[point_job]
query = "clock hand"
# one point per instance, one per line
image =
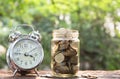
(30, 56)
(28, 53)
(33, 49)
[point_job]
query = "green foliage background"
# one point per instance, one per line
(98, 49)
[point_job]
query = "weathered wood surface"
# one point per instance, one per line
(81, 75)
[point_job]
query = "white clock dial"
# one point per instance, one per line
(27, 53)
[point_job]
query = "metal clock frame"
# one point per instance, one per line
(10, 60)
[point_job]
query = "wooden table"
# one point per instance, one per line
(96, 74)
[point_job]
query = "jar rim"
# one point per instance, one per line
(65, 33)
(63, 29)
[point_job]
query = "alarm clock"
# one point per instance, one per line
(25, 51)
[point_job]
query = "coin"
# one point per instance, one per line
(56, 42)
(75, 69)
(74, 44)
(64, 44)
(70, 52)
(61, 69)
(74, 60)
(60, 64)
(59, 58)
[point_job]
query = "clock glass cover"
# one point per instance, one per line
(27, 53)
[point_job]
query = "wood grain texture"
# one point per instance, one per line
(81, 75)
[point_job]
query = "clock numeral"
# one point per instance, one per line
(20, 46)
(30, 62)
(30, 46)
(33, 59)
(18, 50)
(17, 53)
(17, 59)
(36, 54)
(25, 45)
(26, 63)
(21, 61)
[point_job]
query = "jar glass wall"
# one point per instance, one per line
(65, 53)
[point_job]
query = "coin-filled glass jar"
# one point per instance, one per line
(65, 52)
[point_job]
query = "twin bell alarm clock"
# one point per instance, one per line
(25, 51)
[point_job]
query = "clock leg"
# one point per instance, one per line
(36, 72)
(14, 73)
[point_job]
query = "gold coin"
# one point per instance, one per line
(75, 69)
(63, 44)
(59, 58)
(74, 60)
(61, 69)
(60, 64)
(70, 52)
(74, 45)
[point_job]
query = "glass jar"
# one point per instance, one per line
(65, 52)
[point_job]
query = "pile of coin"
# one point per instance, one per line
(65, 59)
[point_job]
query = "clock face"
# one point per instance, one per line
(26, 53)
